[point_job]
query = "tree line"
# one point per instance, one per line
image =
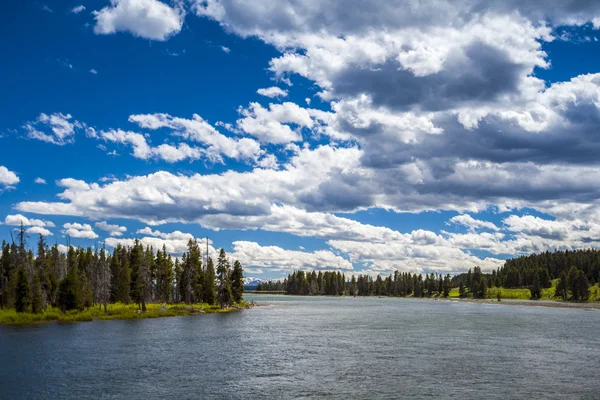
(573, 271)
(84, 278)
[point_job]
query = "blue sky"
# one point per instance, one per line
(382, 140)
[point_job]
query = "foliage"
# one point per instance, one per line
(82, 280)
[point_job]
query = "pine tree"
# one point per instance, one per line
(224, 285)
(36, 295)
(237, 282)
(22, 293)
(461, 289)
(583, 286)
(210, 292)
(536, 289)
(562, 286)
(446, 286)
(69, 295)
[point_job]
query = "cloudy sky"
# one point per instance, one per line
(426, 136)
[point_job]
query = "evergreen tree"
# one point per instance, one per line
(69, 295)
(210, 292)
(461, 289)
(536, 288)
(237, 282)
(22, 293)
(224, 286)
(446, 286)
(36, 298)
(562, 290)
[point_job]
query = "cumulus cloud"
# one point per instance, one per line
(272, 92)
(113, 230)
(149, 19)
(279, 123)
(472, 223)
(38, 230)
(56, 128)
(7, 177)
(199, 130)
(18, 219)
(80, 231)
(40, 181)
(278, 259)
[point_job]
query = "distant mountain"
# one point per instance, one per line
(253, 282)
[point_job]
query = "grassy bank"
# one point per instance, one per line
(115, 311)
(525, 294)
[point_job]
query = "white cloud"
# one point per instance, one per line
(80, 231)
(225, 49)
(18, 219)
(142, 150)
(272, 125)
(93, 71)
(113, 230)
(77, 9)
(7, 177)
(272, 92)
(150, 19)
(198, 130)
(62, 128)
(38, 230)
(275, 258)
(40, 181)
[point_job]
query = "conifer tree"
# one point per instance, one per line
(562, 286)
(446, 286)
(536, 288)
(22, 292)
(69, 291)
(36, 295)
(224, 284)
(210, 292)
(237, 282)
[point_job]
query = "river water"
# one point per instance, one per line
(320, 347)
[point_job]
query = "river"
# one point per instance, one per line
(319, 347)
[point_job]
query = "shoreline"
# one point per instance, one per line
(534, 303)
(116, 312)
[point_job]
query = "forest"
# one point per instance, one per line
(570, 273)
(84, 278)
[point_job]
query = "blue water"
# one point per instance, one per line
(298, 347)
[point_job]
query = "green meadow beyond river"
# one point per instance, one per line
(313, 347)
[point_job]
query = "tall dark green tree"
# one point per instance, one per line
(224, 285)
(210, 291)
(536, 288)
(237, 282)
(36, 295)
(22, 292)
(69, 292)
(562, 288)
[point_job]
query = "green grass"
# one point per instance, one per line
(114, 311)
(525, 294)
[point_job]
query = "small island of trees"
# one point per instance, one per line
(130, 282)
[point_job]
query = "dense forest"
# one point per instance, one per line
(574, 272)
(83, 278)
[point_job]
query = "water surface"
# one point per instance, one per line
(323, 347)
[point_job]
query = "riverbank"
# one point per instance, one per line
(532, 303)
(115, 311)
